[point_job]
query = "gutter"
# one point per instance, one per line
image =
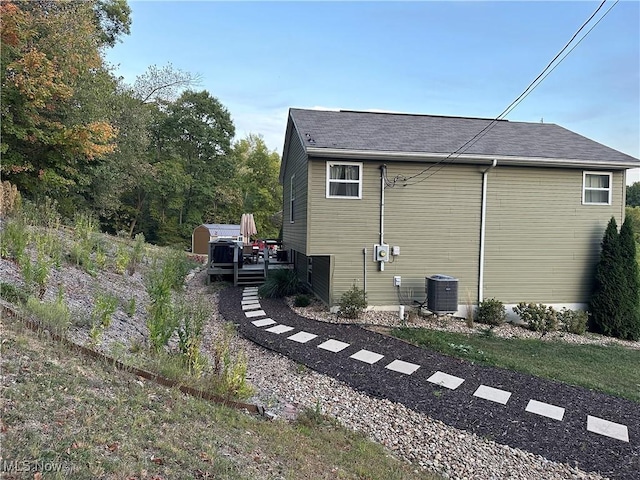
(339, 153)
(483, 228)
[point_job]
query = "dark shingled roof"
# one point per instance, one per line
(405, 133)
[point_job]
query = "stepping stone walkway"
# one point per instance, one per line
(499, 396)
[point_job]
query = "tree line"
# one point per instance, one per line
(158, 156)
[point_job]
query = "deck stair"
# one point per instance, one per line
(250, 277)
(244, 270)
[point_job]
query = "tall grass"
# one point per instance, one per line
(280, 283)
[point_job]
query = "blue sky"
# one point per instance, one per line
(442, 58)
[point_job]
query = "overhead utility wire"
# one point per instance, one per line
(534, 84)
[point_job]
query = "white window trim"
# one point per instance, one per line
(292, 198)
(359, 181)
(608, 190)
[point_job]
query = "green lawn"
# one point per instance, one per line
(76, 417)
(611, 369)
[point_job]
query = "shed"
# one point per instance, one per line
(207, 232)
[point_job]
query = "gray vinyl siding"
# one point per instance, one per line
(542, 244)
(294, 235)
(435, 223)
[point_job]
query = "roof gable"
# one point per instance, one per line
(222, 230)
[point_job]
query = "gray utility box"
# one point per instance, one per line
(442, 294)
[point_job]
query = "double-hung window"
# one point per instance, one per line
(596, 188)
(344, 180)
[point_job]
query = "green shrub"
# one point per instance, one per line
(491, 312)
(80, 256)
(176, 266)
(229, 369)
(630, 328)
(52, 315)
(130, 307)
(44, 213)
(166, 274)
(191, 321)
(573, 321)
(104, 307)
(538, 317)
(302, 300)
(14, 240)
(353, 302)
(122, 258)
(615, 304)
(280, 283)
(36, 274)
(137, 254)
(13, 294)
(161, 319)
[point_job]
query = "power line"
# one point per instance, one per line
(532, 86)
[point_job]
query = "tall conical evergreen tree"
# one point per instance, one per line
(606, 311)
(631, 303)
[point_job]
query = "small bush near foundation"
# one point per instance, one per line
(491, 312)
(280, 283)
(573, 321)
(538, 317)
(302, 301)
(353, 302)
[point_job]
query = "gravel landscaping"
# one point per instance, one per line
(466, 446)
(418, 410)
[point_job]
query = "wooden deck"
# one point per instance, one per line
(253, 271)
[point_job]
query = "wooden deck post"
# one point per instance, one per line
(265, 256)
(235, 264)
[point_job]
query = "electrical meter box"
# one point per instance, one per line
(381, 253)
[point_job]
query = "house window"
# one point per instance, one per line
(596, 188)
(292, 199)
(344, 180)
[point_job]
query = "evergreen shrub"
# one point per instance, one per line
(538, 317)
(491, 312)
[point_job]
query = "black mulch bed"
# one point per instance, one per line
(566, 441)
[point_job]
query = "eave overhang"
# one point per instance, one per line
(386, 156)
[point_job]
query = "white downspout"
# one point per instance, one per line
(364, 267)
(483, 227)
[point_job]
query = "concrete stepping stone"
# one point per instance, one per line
(251, 306)
(263, 322)
(334, 346)
(492, 394)
(545, 410)
(249, 302)
(403, 367)
(250, 297)
(607, 428)
(302, 337)
(366, 356)
(255, 313)
(250, 289)
(445, 380)
(278, 329)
